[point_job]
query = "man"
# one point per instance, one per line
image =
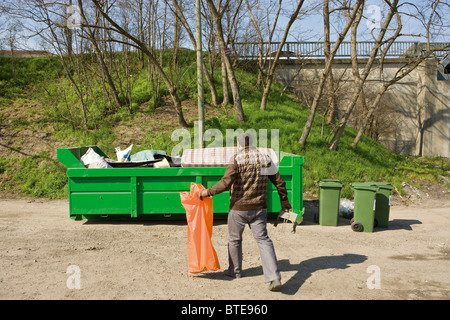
(246, 177)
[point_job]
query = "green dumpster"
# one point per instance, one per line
(329, 196)
(154, 193)
(383, 204)
(363, 216)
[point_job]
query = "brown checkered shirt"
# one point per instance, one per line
(246, 177)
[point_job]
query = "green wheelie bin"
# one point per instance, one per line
(383, 204)
(363, 216)
(329, 196)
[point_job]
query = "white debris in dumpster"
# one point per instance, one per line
(162, 164)
(92, 159)
(123, 155)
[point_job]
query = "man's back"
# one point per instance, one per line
(246, 178)
(249, 190)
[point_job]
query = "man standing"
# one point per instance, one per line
(246, 177)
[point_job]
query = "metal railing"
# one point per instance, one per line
(295, 50)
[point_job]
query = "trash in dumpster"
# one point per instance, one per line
(123, 155)
(199, 215)
(145, 158)
(162, 164)
(92, 159)
(148, 155)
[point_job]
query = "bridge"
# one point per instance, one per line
(299, 50)
(414, 115)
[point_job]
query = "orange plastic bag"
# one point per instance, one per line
(199, 215)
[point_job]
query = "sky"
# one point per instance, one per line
(373, 17)
(310, 27)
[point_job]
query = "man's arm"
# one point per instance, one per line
(224, 184)
(280, 184)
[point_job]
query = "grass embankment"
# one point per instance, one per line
(41, 99)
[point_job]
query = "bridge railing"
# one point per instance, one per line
(293, 50)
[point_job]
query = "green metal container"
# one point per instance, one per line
(383, 204)
(363, 216)
(329, 196)
(154, 193)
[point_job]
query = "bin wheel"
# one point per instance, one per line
(375, 223)
(352, 220)
(357, 227)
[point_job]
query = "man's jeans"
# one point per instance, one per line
(257, 220)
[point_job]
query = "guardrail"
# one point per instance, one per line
(399, 49)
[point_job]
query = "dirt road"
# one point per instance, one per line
(46, 255)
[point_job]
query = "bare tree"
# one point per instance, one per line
(343, 122)
(13, 30)
(209, 79)
(331, 110)
(142, 46)
(99, 55)
(324, 75)
(260, 60)
(410, 65)
(217, 17)
(273, 64)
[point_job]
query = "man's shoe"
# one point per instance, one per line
(231, 274)
(275, 285)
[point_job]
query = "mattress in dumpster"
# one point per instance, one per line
(218, 157)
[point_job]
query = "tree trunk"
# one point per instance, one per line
(331, 110)
(230, 72)
(369, 116)
(273, 65)
(208, 77)
(225, 88)
(171, 88)
(260, 61)
(342, 124)
(99, 57)
(309, 121)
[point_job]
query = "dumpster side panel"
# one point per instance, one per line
(100, 195)
(101, 203)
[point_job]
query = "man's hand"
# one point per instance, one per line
(203, 193)
(286, 206)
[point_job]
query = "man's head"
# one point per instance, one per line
(244, 140)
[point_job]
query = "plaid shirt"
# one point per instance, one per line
(246, 178)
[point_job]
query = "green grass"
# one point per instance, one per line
(37, 176)
(41, 80)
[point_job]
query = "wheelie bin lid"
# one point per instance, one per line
(384, 185)
(370, 186)
(332, 183)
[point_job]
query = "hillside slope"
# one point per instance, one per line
(32, 128)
